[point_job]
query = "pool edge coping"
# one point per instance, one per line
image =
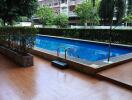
(95, 67)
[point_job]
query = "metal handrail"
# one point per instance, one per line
(58, 52)
(58, 49)
(65, 51)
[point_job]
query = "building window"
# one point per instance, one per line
(64, 9)
(55, 4)
(63, 1)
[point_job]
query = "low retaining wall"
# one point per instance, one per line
(83, 66)
(72, 64)
(24, 61)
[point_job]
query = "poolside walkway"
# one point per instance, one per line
(44, 82)
(121, 74)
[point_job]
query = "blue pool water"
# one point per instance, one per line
(79, 49)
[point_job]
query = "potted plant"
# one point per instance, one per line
(16, 42)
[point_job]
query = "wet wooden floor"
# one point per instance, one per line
(121, 73)
(44, 82)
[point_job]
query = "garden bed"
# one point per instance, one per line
(22, 60)
(15, 43)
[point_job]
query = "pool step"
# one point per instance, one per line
(59, 64)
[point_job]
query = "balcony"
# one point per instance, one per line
(63, 5)
(72, 3)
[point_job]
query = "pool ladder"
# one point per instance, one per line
(65, 49)
(59, 63)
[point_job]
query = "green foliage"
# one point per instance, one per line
(28, 7)
(128, 18)
(129, 6)
(107, 9)
(118, 36)
(61, 20)
(120, 6)
(46, 14)
(94, 2)
(1, 22)
(22, 19)
(88, 13)
(12, 9)
(19, 39)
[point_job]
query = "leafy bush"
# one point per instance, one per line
(46, 15)
(118, 36)
(11, 10)
(128, 18)
(87, 13)
(19, 39)
(61, 20)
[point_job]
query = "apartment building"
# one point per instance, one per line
(63, 6)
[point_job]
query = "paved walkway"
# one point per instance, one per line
(44, 82)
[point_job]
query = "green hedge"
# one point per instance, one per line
(118, 35)
(19, 39)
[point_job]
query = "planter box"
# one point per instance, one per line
(24, 61)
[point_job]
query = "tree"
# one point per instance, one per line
(61, 20)
(129, 6)
(1, 22)
(87, 13)
(93, 2)
(28, 7)
(46, 14)
(106, 10)
(120, 7)
(111, 8)
(128, 18)
(12, 9)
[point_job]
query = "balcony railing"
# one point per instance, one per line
(72, 14)
(63, 5)
(72, 3)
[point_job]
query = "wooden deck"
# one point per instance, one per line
(121, 74)
(44, 82)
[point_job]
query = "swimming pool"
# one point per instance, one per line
(89, 51)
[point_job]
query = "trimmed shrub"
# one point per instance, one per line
(122, 36)
(19, 39)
